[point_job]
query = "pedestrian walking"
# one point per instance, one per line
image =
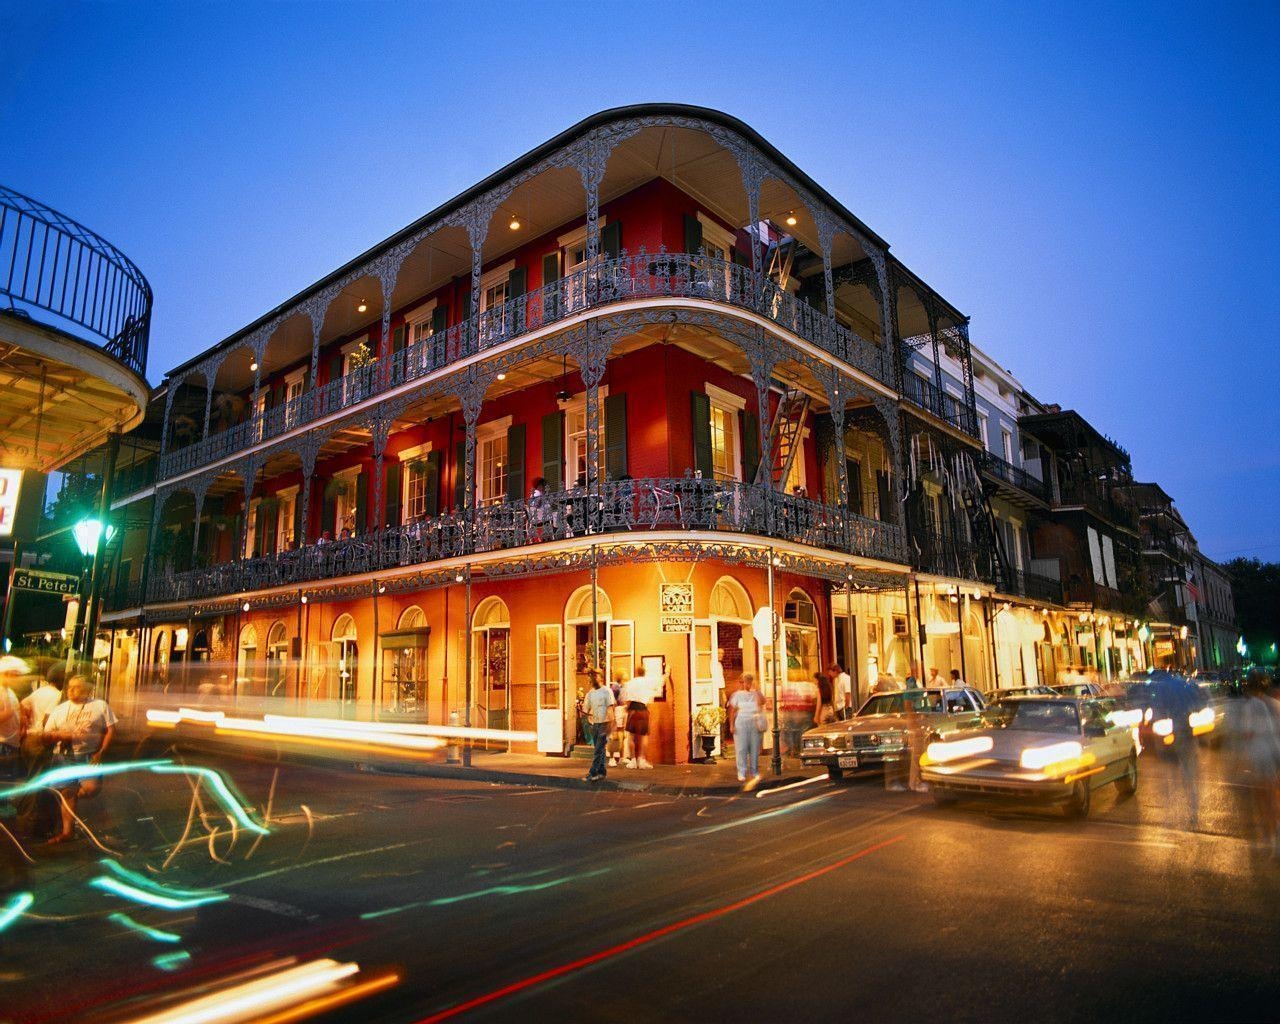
(638, 694)
(826, 710)
(82, 730)
(619, 740)
(841, 691)
(748, 722)
(10, 734)
(37, 811)
(1258, 743)
(798, 710)
(599, 703)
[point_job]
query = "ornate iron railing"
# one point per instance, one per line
(1031, 585)
(49, 261)
(640, 275)
(1099, 499)
(688, 503)
(947, 407)
(944, 554)
(1015, 476)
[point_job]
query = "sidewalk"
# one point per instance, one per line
(513, 769)
(719, 779)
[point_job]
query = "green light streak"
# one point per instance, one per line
(13, 910)
(171, 961)
(56, 777)
(218, 785)
(496, 890)
(151, 885)
(151, 933)
(152, 899)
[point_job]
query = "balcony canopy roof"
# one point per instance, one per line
(1066, 431)
(696, 149)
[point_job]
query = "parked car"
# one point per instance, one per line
(877, 733)
(1047, 750)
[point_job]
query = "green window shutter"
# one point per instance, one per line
(392, 503)
(397, 338)
(515, 462)
(611, 239)
(551, 267)
(553, 450)
(464, 306)
(750, 425)
(362, 501)
(306, 379)
(459, 475)
(692, 234)
(886, 501)
(517, 282)
(615, 437)
(702, 433)
(432, 485)
(742, 259)
(277, 398)
(335, 367)
(439, 320)
(269, 524)
(550, 276)
(329, 514)
(855, 485)
(259, 533)
(298, 539)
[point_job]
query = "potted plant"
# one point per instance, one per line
(707, 720)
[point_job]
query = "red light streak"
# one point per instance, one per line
(642, 940)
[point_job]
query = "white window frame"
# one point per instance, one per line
(285, 513)
(421, 317)
(721, 239)
(351, 390)
(293, 381)
(984, 425)
(575, 406)
(487, 433)
(797, 477)
(1006, 445)
(340, 510)
(251, 528)
(731, 404)
(409, 457)
(573, 293)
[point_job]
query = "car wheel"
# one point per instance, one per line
(942, 798)
(1078, 805)
(1128, 782)
(835, 774)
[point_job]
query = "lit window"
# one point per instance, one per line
(724, 443)
(491, 469)
(575, 440)
(415, 496)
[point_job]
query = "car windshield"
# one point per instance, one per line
(1033, 716)
(896, 703)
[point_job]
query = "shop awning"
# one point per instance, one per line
(404, 639)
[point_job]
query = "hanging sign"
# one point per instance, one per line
(45, 582)
(677, 623)
(675, 605)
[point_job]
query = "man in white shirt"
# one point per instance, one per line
(83, 730)
(10, 733)
(841, 691)
(598, 704)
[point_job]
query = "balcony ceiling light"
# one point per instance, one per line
(253, 366)
(362, 306)
(515, 223)
(791, 219)
(502, 376)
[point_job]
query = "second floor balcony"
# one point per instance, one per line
(687, 504)
(1031, 585)
(953, 411)
(1012, 476)
(626, 278)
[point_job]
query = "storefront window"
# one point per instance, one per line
(800, 633)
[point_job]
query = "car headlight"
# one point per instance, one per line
(1201, 721)
(1163, 727)
(1037, 758)
(814, 743)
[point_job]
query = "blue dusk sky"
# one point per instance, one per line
(1094, 185)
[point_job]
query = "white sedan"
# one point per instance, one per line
(1048, 750)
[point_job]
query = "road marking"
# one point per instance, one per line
(652, 803)
(643, 940)
(602, 810)
(791, 785)
(322, 860)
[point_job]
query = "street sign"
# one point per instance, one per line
(45, 582)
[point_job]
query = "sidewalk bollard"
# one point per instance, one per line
(452, 756)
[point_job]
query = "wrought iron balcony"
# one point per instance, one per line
(1014, 476)
(948, 408)
(944, 554)
(1032, 586)
(621, 506)
(50, 262)
(1098, 499)
(641, 275)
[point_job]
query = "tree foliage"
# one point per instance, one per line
(1256, 585)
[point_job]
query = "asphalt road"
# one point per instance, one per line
(824, 902)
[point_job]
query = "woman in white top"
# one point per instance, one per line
(746, 715)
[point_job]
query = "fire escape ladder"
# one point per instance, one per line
(785, 433)
(779, 259)
(982, 519)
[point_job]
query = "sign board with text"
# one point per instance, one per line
(45, 582)
(677, 623)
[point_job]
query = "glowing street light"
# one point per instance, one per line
(89, 533)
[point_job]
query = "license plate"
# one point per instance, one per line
(847, 761)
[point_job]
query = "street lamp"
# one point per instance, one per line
(90, 535)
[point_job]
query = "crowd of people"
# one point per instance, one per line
(49, 719)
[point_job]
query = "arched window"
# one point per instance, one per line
(729, 600)
(412, 618)
(491, 659)
(344, 628)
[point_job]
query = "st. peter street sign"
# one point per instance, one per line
(45, 582)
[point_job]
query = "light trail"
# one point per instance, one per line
(792, 785)
(13, 910)
(155, 934)
(649, 937)
(765, 816)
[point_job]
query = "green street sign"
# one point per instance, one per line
(46, 582)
